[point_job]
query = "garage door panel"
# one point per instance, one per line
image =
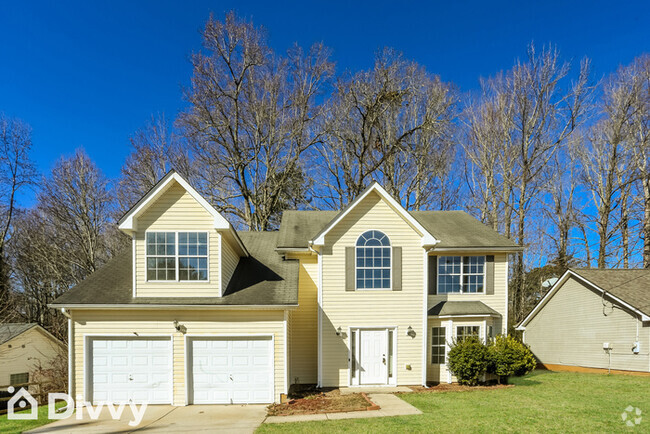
(131, 370)
(240, 370)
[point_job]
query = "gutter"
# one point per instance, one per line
(133, 306)
(477, 249)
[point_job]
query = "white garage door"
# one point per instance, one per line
(131, 370)
(231, 370)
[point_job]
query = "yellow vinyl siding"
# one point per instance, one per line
(304, 324)
(497, 301)
(160, 323)
(372, 308)
(26, 352)
(229, 261)
(571, 329)
(177, 210)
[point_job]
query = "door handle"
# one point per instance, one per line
(230, 375)
(130, 377)
(383, 360)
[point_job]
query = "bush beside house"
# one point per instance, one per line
(470, 359)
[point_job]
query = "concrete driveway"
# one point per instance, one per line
(167, 419)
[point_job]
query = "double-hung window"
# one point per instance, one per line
(461, 274)
(177, 256)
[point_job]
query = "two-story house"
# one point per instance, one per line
(197, 312)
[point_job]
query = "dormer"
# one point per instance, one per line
(182, 246)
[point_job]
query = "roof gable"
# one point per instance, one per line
(10, 331)
(427, 238)
(128, 223)
(615, 285)
(129, 220)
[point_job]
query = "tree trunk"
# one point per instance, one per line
(646, 222)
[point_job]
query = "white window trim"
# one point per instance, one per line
(390, 266)
(438, 275)
(466, 325)
(176, 256)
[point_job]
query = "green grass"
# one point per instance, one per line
(540, 402)
(17, 426)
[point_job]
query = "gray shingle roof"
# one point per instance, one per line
(263, 279)
(630, 285)
(9, 331)
(455, 229)
(462, 308)
(299, 227)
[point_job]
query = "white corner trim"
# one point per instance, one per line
(286, 352)
(134, 272)
(504, 326)
(220, 262)
(70, 361)
(427, 238)
(128, 222)
(320, 319)
(425, 317)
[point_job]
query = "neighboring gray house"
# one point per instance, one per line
(593, 319)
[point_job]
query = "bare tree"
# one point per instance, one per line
(608, 170)
(489, 155)
(16, 173)
(156, 149)
(253, 114)
(392, 124)
(77, 201)
(535, 114)
(564, 208)
(636, 79)
(42, 271)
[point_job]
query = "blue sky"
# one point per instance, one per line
(88, 74)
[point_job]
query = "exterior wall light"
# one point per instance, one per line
(180, 327)
(339, 331)
(410, 332)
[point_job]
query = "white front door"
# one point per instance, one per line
(231, 370)
(127, 370)
(373, 356)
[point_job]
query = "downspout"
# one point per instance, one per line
(425, 317)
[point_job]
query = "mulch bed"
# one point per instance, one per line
(455, 387)
(317, 402)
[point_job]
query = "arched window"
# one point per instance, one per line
(373, 261)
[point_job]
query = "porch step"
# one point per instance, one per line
(374, 389)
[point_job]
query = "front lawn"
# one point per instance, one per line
(540, 402)
(17, 426)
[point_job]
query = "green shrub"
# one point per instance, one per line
(507, 356)
(468, 360)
